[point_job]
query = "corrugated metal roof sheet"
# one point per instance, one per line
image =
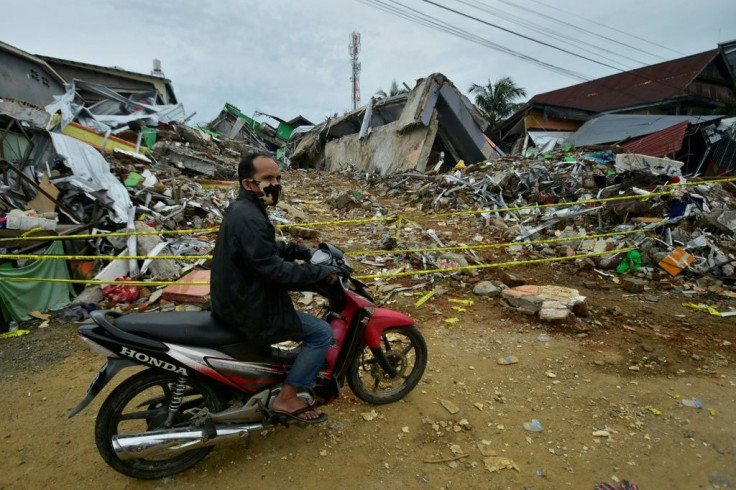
(613, 128)
(644, 85)
(660, 143)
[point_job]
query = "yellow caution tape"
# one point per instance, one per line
(424, 299)
(504, 245)
(113, 234)
(95, 281)
(102, 257)
(340, 222)
(701, 306)
(488, 266)
(385, 218)
(32, 230)
(452, 321)
(14, 333)
(468, 302)
(357, 252)
(713, 181)
(459, 308)
(371, 276)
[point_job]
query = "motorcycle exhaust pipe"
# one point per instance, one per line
(170, 442)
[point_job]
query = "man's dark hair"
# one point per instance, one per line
(246, 169)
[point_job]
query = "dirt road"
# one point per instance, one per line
(608, 393)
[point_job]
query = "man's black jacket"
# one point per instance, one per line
(252, 272)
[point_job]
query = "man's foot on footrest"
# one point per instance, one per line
(295, 415)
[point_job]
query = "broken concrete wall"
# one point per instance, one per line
(420, 104)
(25, 77)
(382, 152)
(447, 120)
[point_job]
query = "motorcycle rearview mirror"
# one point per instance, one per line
(321, 257)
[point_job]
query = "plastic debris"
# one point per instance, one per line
(533, 426)
(692, 403)
(497, 463)
(709, 309)
(507, 360)
(118, 293)
(632, 262)
(676, 261)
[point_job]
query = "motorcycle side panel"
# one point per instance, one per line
(249, 376)
(382, 319)
(339, 329)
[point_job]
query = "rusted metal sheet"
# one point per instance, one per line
(641, 86)
(661, 143)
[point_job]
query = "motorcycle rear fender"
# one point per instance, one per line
(382, 319)
(108, 371)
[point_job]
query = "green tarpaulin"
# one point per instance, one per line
(20, 298)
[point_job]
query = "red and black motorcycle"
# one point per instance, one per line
(204, 385)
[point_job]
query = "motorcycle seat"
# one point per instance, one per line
(202, 330)
(180, 327)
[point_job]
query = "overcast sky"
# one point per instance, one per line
(291, 57)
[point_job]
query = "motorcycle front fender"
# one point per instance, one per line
(112, 366)
(382, 319)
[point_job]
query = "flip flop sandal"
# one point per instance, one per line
(294, 416)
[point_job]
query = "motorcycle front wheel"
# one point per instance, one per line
(141, 404)
(406, 352)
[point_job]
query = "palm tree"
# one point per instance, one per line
(497, 99)
(394, 90)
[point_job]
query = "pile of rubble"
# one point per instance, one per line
(160, 174)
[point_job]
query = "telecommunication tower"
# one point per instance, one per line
(354, 49)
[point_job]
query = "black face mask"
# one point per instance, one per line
(271, 193)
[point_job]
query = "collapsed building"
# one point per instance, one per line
(433, 125)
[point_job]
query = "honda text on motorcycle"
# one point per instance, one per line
(202, 384)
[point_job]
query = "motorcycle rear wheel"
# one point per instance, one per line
(406, 351)
(140, 404)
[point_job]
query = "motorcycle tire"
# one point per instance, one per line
(405, 350)
(140, 404)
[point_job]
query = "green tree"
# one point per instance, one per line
(394, 90)
(497, 99)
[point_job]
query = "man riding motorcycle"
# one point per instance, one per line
(252, 274)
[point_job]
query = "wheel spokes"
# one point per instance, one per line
(140, 415)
